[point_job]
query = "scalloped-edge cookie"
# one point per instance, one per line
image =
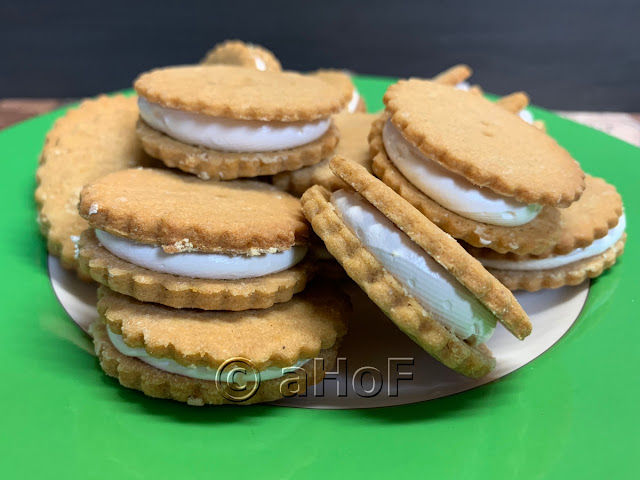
(354, 129)
(536, 236)
(590, 218)
(469, 358)
(163, 352)
(342, 80)
(571, 274)
(241, 93)
(183, 292)
(89, 141)
(180, 212)
(237, 52)
(484, 143)
(211, 164)
(278, 336)
(174, 239)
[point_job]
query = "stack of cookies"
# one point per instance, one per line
(189, 217)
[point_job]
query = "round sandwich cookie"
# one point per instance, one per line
(423, 280)
(341, 80)
(354, 129)
(226, 122)
(176, 240)
(94, 139)
(201, 357)
(475, 169)
(592, 238)
(239, 53)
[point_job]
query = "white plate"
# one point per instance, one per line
(373, 339)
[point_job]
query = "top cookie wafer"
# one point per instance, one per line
(242, 93)
(484, 143)
(438, 244)
(183, 213)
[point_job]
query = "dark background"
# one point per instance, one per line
(566, 54)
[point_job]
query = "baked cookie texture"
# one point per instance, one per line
(219, 165)
(241, 93)
(590, 218)
(585, 221)
(183, 213)
(309, 323)
(237, 52)
(571, 274)
(438, 244)
(474, 138)
(534, 237)
(309, 326)
(138, 375)
(94, 139)
(341, 80)
(354, 129)
(145, 285)
(388, 293)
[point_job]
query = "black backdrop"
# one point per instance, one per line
(567, 54)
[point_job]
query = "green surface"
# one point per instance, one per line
(573, 412)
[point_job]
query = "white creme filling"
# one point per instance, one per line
(228, 134)
(452, 191)
(353, 103)
(436, 290)
(213, 266)
(596, 248)
(524, 114)
(193, 371)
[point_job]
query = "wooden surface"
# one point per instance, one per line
(622, 125)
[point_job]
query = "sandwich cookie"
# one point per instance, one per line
(423, 280)
(241, 54)
(473, 168)
(592, 238)
(225, 122)
(92, 140)
(180, 241)
(202, 357)
(341, 80)
(354, 129)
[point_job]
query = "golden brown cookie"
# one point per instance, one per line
(571, 274)
(514, 102)
(453, 75)
(124, 277)
(183, 213)
(388, 293)
(342, 81)
(218, 165)
(354, 129)
(487, 145)
(236, 52)
(309, 326)
(590, 218)
(536, 236)
(92, 140)
(241, 93)
(593, 222)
